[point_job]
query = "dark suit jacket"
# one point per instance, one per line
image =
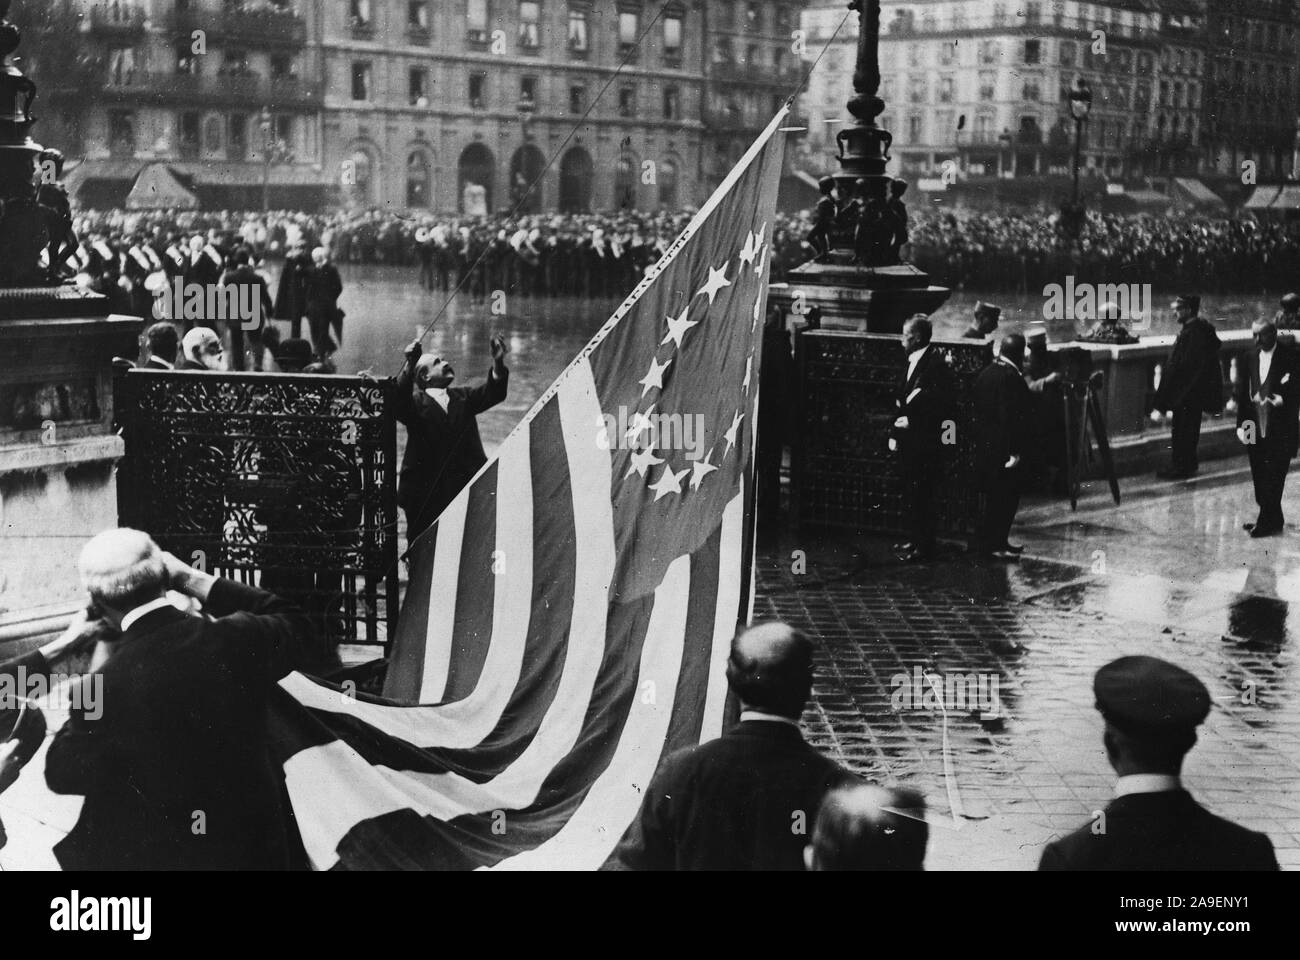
(177, 772)
(732, 803)
(1192, 377)
(443, 448)
(153, 364)
(1160, 831)
(1274, 426)
(927, 398)
(1001, 416)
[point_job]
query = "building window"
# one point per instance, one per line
(282, 67)
(988, 86)
(189, 128)
(417, 180)
(360, 81)
(1033, 12)
(627, 101)
(914, 128)
(212, 134)
(673, 37)
(624, 184)
(722, 52)
(417, 15)
(282, 126)
(1033, 51)
(578, 99)
(947, 53)
(419, 87)
(782, 18)
(629, 29)
(121, 66)
(530, 15)
(578, 29)
(914, 56)
(477, 90)
(1067, 54)
(672, 103)
(945, 89)
(984, 128)
(527, 93)
(667, 174)
(476, 20)
(359, 14)
(237, 147)
(751, 55)
(186, 61)
(1031, 91)
(989, 51)
(916, 91)
(753, 17)
(121, 133)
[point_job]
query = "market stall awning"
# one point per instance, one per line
(157, 188)
(1193, 192)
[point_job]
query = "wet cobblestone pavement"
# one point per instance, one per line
(1170, 574)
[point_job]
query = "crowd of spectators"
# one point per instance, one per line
(605, 254)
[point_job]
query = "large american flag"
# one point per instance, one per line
(568, 617)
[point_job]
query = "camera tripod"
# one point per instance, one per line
(1085, 424)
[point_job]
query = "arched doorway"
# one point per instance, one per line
(576, 172)
(667, 177)
(417, 180)
(477, 170)
(359, 178)
(625, 184)
(526, 166)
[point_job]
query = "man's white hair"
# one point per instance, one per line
(195, 338)
(122, 568)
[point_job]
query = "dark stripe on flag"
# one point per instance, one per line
(406, 659)
(475, 589)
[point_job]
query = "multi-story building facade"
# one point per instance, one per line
(463, 105)
(1251, 86)
(986, 84)
(447, 105)
(752, 68)
(203, 85)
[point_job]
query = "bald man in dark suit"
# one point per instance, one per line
(747, 800)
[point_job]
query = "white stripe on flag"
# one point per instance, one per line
(447, 795)
(442, 599)
(465, 723)
(587, 839)
(726, 615)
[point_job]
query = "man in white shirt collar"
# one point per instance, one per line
(1152, 709)
(1266, 423)
(162, 342)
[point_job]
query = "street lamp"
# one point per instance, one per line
(1080, 107)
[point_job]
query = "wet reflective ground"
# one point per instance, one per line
(1170, 574)
(385, 306)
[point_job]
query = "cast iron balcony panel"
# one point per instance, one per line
(184, 88)
(248, 26)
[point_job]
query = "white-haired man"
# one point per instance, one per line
(177, 771)
(201, 350)
(323, 288)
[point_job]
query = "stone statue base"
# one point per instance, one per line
(854, 297)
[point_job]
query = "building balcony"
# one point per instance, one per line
(250, 90)
(117, 21)
(246, 26)
(756, 73)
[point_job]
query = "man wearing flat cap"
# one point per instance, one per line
(1191, 385)
(986, 320)
(1152, 709)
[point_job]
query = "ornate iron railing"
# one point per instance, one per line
(284, 480)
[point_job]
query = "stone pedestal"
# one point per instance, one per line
(864, 299)
(57, 449)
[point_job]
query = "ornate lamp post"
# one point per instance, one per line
(1080, 107)
(857, 278)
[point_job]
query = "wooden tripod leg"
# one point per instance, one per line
(1103, 443)
(1071, 454)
